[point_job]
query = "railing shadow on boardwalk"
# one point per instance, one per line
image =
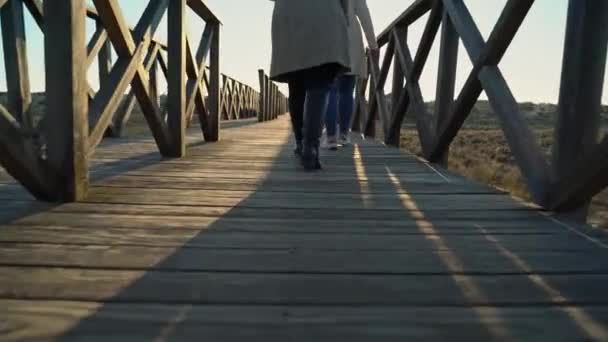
(511, 260)
(382, 253)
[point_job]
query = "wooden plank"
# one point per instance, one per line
(290, 289)
(89, 320)
(293, 201)
(235, 323)
(261, 212)
(239, 233)
(338, 166)
(55, 222)
(280, 176)
(285, 261)
(322, 187)
(66, 97)
(19, 209)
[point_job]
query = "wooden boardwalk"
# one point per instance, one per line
(236, 243)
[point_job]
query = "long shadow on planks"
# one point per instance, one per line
(377, 247)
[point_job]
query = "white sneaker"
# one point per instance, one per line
(331, 143)
(345, 140)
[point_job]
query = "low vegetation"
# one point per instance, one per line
(480, 151)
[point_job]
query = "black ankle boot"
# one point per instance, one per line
(310, 158)
(298, 150)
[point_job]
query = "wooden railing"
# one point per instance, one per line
(51, 159)
(580, 165)
(238, 101)
(272, 102)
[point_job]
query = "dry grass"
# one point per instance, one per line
(484, 156)
(480, 152)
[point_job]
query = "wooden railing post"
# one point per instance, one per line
(266, 98)
(359, 111)
(446, 79)
(369, 123)
(271, 100)
(177, 77)
(584, 64)
(262, 104)
(66, 96)
(274, 101)
(214, 85)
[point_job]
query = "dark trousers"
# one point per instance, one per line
(307, 107)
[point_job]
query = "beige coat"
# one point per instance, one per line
(359, 17)
(309, 33)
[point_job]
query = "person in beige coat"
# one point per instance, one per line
(341, 101)
(310, 48)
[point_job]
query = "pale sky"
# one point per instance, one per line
(531, 66)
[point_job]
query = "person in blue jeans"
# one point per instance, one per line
(341, 100)
(309, 51)
(339, 111)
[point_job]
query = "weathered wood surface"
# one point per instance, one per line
(234, 242)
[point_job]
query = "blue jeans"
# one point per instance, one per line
(341, 105)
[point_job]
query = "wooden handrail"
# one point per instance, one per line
(51, 159)
(566, 184)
